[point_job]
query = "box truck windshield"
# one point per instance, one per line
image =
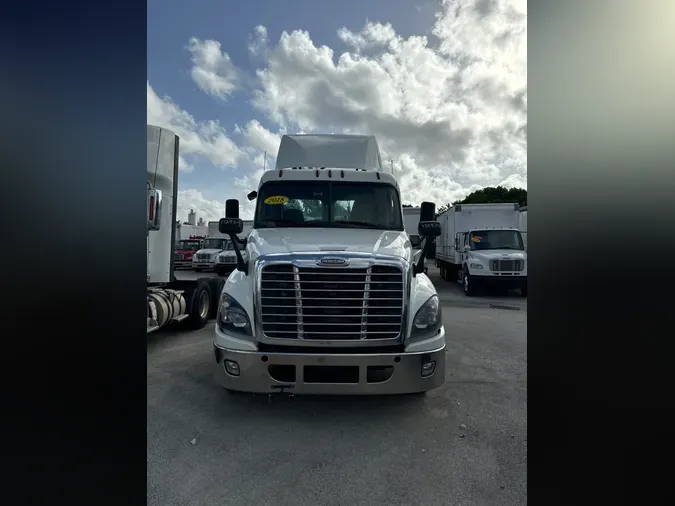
(495, 239)
(188, 245)
(328, 204)
(214, 244)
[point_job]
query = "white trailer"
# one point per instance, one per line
(482, 244)
(168, 300)
(411, 218)
(523, 224)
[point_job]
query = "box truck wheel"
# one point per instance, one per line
(199, 305)
(468, 283)
(216, 288)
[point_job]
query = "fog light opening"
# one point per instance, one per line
(428, 368)
(231, 367)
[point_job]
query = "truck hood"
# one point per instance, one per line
(503, 254)
(208, 251)
(326, 240)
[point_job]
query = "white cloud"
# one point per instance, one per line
(212, 69)
(451, 114)
(373, 35)
(207, 139)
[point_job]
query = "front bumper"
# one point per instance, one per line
(499, 278)
(203, 265)
(331, 373)
(183, 264)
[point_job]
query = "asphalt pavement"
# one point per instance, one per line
(462, 444)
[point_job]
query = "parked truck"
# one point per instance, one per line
(189, 303)
(205, 258)
(226, 260)
(328, 299)
(185, 250)
(481, 244)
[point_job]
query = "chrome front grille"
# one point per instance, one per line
(331, 303)
(178, 256)
(204, 257)
(506, 265)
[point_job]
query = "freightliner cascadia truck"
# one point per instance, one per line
(330, 297)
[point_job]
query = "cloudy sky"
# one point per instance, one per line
(442, 84)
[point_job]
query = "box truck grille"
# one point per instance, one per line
(506, 265)
(331, 303)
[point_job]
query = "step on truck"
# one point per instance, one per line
(329, 298)
(481, 245)
(187, 303)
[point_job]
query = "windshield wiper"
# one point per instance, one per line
(364, 224)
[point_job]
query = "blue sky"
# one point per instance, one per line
(172, 24)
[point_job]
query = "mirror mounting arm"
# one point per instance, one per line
(418, 268)
(242, 265)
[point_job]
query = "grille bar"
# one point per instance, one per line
(331, 303)
(506, 265)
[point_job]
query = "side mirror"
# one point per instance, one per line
(230, 226)
(252, 195)
(429, 229)
(154, 209)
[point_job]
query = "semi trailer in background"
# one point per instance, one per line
(481, 244)
(188, 303)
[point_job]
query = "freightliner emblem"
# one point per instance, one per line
(333, 261)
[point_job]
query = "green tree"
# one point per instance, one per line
(490, 195)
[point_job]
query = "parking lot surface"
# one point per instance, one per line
(462, 444)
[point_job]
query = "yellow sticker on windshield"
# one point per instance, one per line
(475, 238)
(276, 200)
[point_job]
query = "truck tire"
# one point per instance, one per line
(199, 305)
(216, 287)
(468, 283)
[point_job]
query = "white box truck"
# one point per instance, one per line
(226, 260)
(329, 298)
(481, 244)
(190, 303)
(411, 218)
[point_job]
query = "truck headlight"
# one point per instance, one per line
(232, 317)
(428, 318)
(476, 266)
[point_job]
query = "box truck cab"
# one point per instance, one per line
(328, 299)
(205, 258)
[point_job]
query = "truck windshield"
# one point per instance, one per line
(496, 239)
(328, 204)
(188, 245)
(214, 244)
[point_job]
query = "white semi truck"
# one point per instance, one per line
(190, 303)
(482, 244)
(329, 299)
